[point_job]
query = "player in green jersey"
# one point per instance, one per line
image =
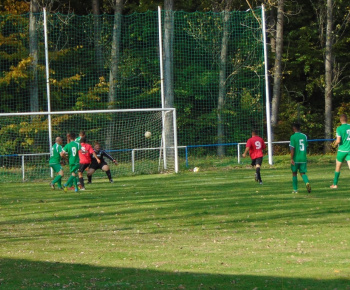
(55, 163)
(71, 149)
(343, 140)
(81, 135)
(298, 148)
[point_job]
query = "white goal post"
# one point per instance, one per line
(26, 141)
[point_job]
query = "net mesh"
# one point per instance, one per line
(25, 139)
(215, 64)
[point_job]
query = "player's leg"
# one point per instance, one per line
(82, 168)
(303, 170)
(257, 169)
(294, 169)
(57, 168)
(106, 169)
(253, 164)
(341, 156)
(90, 173)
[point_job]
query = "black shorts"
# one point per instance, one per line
(83, 166)
(257, 161)
(97, 165)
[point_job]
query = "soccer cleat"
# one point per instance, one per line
(260, 182)
(256, 177)
(308, 187)
(334, 186)
(52, 185)
(111, 181)
(82, 188)
(60, 188)
(294, 191)
(89, 182)
(76, 189)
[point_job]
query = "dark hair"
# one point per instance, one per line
(83, 140)
(343, 117)
(82, 133)
(72, 135)
(255, 132)
(296, 126)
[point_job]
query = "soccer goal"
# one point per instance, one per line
(143, 141)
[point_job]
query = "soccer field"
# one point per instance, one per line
(205, 230)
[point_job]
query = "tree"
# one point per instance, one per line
(168, 72)
(328, 74)
(33, 53)
(277, 80)
(97, 36)
(115, 58)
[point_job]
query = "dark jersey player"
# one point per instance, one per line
(255, 146)
(100, 153)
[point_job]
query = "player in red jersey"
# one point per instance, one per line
(255, 146)
(85, 159)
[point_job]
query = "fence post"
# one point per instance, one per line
(133, 160)
(23, 175)
(239, 153)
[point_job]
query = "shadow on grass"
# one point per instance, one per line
(24, 274)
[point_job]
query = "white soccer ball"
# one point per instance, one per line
(148, 134)
(196, 169)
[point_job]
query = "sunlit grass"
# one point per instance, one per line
(215, 229)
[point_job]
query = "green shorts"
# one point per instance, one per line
(341, 156)
(73, 168)
(299, 166)
(56, 167)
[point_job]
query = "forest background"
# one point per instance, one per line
(308, 43)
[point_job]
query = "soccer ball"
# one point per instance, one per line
(148, 134)
(196, 169)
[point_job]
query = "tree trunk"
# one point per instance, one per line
(113, 73)
(33, 53)
(115, 52)
(277, 81)
(328, 75)
(168, 78)
(97, 36)
(222, 84)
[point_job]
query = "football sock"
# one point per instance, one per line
(70, 181)
(59, 182)
(304, 177)
(336, 177)
(258, 173)
(89, 178)
(56, 179)
(81, 180)
(108, 172)
(295, 182)
(75, 182)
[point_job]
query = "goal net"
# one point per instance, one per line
(25, 140)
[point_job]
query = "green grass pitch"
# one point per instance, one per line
(214, 229)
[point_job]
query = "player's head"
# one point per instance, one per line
(83, 140)
(343, 118)
(71, 136)
(296, 127)
(58, 140)
(97, 146)
(255, 132)
(82, 134)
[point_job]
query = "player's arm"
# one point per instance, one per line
(245, 152)
(95, 156)
(337, 141)
(292, 151)
(109, 157)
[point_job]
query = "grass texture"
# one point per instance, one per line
(215, 229)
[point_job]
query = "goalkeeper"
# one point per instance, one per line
(103, 165)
